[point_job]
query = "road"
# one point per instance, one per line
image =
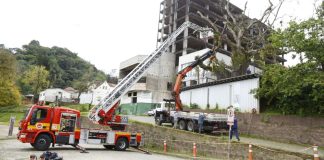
(146, 119)
(12, 149)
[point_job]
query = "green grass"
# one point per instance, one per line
(5, 117)
(80, 107)
(14, 109)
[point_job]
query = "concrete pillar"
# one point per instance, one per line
(175, 14)
(158, 33)
(186, 31)
(163, 21)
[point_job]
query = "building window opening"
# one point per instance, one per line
(134, 99)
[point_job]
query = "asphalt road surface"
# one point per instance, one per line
(12, 149)
(146, 119)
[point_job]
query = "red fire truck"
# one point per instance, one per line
(45, 125)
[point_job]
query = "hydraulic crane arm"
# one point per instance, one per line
(103, 113)
(182, 74)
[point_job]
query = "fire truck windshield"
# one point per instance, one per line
(26, 114)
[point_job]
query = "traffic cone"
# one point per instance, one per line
(250, 152)
(165, 146)
(194, 150)
(315, 149)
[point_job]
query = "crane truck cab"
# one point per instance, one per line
(44, 125)
(162, 106)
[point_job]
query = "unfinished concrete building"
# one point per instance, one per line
(175, 12)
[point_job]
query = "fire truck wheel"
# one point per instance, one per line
(121, 144)
(42, 142)
(109, 146)
(182, 125)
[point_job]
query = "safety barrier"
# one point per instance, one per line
(208, 149)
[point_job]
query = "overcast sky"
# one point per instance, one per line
(103, 32)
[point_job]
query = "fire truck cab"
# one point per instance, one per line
(44, 125)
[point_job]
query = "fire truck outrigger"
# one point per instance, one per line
(45, 125)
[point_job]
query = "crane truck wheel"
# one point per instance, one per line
(121, 144)
(182, 125)
(42, 142)
(109, 146)
(158, 122)
(191, 126)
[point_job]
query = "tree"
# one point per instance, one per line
(112, 79)
(86, 81)
(298, 89)
(8, 90)
(36, 77)
(63, 65)
(303, 38)
(244, 36)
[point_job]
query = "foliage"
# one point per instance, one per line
(36, 79)
(8, 90)
(305, 37)
(64, 66)
(80, 107)
(299, 89)
(296, 90)
(112, 79)
(194, 106)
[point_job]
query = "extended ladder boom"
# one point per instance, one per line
(110, 101)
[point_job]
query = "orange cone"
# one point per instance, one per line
(250, 152)
(315, 149)
(165, 146)
(194, 150)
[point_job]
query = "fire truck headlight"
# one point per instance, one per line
(23, 135)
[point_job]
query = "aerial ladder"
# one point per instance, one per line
(104, 112)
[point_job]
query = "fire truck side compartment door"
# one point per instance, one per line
(71, 139)
(111, 137)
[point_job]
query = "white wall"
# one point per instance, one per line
(96, 95)
(233, 93)
(49, 95)
(186, 60)
(142, 97)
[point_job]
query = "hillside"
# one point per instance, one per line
(64, 66)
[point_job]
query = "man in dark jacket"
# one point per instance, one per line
(201, 119)
(234, 130)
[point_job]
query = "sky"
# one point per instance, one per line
(104, 32)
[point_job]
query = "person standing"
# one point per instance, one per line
(234, 130)
(201, 119)
(175, 119)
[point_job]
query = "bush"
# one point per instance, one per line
(297, 90)
(194, 106)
